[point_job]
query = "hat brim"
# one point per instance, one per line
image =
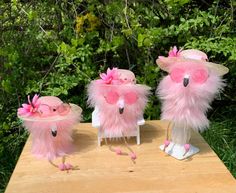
(166, 62)
(75, 111)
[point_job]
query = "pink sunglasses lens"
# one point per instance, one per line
(200, 76)
(177, 75)
(63, 109)
(131, 98)
(112, 97)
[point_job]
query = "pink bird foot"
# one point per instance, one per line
(69, 166)
(62, 166)
(118, 151)
(187, 148)
(65, 167)
(133, 156)
(166, 144)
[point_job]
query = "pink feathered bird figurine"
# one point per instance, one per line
(186, 93)
(119, 103)
(50, 122)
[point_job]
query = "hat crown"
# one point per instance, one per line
(50, 100)
(193, 54)
(126, 76)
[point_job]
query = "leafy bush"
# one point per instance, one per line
(57, 47)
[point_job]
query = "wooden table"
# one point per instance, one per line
(102, 171)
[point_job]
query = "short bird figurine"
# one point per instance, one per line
(119, 103)
(186, 93)
(50, 122)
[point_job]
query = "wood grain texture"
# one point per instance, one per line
(101, 171)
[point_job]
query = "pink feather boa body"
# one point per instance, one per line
(44, 145)
(187, 106)
(114, 124)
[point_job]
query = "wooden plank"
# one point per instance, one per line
(101, 171)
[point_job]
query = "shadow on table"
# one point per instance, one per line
(150, 132)
(84, 141)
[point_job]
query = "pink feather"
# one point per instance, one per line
(44, 145)
(105, 98)
(187, 106)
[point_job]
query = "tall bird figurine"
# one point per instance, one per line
(50, 122)
(119, 105)
(186, 93)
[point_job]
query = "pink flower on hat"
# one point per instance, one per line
(110, 76)
(174, 52)
(31, 108)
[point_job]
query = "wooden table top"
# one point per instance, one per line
(101, 171)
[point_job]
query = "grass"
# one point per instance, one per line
(221, 136)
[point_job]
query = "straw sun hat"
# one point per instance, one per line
(46, 109)
(191, 56)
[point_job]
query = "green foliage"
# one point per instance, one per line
(12, 141)
(57, 47)
(222, 136)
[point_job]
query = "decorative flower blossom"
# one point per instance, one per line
(174, 52)
(31, 108)
(110, 76)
